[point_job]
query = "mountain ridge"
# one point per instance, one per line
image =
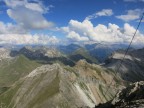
(69, 80)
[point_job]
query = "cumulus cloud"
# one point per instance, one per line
(28, 15)
(104, 12)
(10, 28)
(131, 15)
(34, 5)
(85, 31)
(22, 39)
(14, 34)
(75, 36)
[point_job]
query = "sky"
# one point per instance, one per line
(66, 21)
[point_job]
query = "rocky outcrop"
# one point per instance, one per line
(130, 97)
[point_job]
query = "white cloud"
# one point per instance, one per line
(131, 15)
(85, 31)
(18, 39)
(75, 36)
(104, 12)
(35, 6)
(14, 3)
(28, 15)
(9, 28)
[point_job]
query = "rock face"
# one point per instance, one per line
(132, 66)
(60, 86)
(130, 97)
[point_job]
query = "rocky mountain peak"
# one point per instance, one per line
(39, 52)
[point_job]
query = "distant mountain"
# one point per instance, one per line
(82, 53)
(98, 51)
(53, 55)
(132, 68)
(101, 51)
(44, 55)
(76, 52)
(39, 52)
(68, 49)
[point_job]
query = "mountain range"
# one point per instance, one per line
(65, 76)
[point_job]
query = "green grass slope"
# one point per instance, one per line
(11, 72)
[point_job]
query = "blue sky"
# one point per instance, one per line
(53, 21)
(66, 10)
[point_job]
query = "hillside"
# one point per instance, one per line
(62, 86)
(132, 66)
(13, 70)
